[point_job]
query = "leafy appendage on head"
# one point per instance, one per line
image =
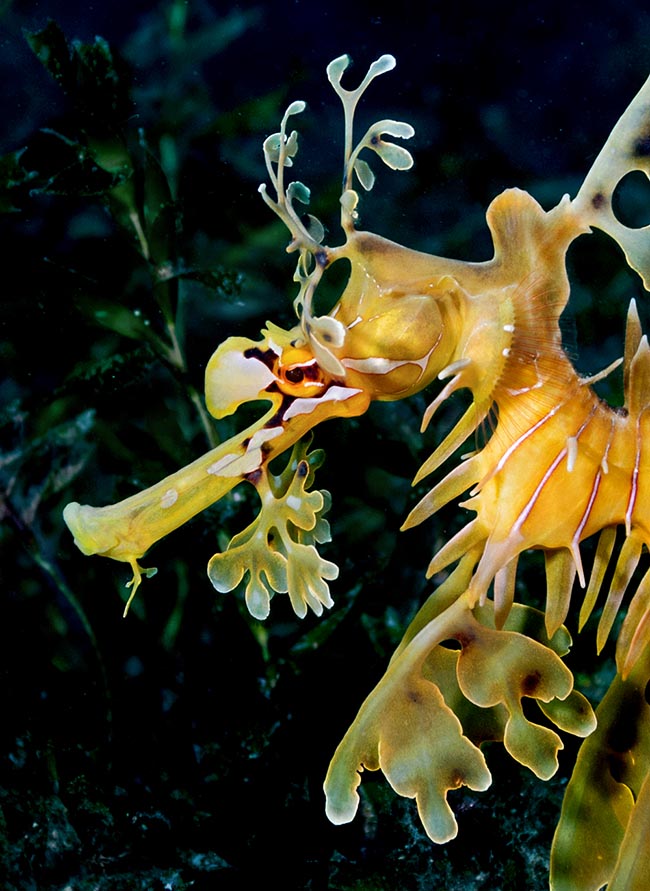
(394, 156)
(280, 150)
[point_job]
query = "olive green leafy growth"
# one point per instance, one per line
(277, 551)
(394, 156)
(424, 723)
(607, 803)
(279, 151)
(281, 148)
(307, 231)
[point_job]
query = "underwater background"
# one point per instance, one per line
(185, 746)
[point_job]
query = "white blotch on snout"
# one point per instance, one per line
(169, 498)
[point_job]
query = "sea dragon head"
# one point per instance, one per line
(384, 339)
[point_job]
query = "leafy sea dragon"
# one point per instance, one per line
(559, 467)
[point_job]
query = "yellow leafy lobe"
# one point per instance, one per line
(424, 722)
(277, 550)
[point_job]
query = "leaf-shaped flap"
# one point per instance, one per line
(610, 771)
(498, 666)
(573, 714)
(364, 173)
(533, 746)
(249, 553)
(632, 871)
(407, 730)
(307, 572)
(277, 549)
(424, 754)
(627, 149)
(394, 156)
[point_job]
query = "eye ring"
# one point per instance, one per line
(295, 374)
(298, 374)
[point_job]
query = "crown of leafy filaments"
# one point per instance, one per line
(306, 230)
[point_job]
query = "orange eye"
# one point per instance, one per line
(298, 374)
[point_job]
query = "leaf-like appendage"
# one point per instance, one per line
(599, 811)
(633, 864)
(501, 667)
(364, 174)
(306, 573)
(573, 714)
(394, 156)
(425, 720)
(277, 551)
(271, 147)
(624, 151)
(406, 728)
(291, 145)
(533, 746)
(336, 68)
(296, 107)
(315, 228)
(299, 191)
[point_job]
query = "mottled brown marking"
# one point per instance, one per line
(267, 357)
(465, 639)
(530, 683)
(642, 147)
